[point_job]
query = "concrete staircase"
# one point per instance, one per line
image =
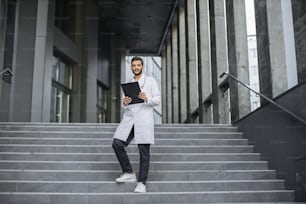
(75, 164)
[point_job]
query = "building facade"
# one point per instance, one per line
(66, 68)
(69, 57)
(208, 38)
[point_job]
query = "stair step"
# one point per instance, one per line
(99, 165)
(112, 129)
(45, 156)
(153, 186)
(104, 134)
(103, 128)
(190, 163)
(160, 175)
(108, 141)
(131, 148)
(47, 124)
(149, 198)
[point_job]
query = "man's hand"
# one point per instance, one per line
(143, 96)
(126, 100)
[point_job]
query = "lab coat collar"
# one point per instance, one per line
(141, 78)
(141, 81)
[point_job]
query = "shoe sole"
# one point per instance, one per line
(140, 192)
(126, 181)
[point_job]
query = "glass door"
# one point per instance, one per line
(61, 92)
(101, 103)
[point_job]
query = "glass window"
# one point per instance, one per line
(61, 91)
(60, 109)
(65, 16)
(252, 51)
(255, 104)
(253, 69)
(61, 73)
(102, 93)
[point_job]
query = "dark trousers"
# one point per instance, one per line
(144, 154)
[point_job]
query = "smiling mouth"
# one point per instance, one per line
(137, 72)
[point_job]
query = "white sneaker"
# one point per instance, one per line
(126, 177)
(140, 188)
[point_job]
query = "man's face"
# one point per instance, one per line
(136, 67)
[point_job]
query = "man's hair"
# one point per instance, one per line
(136, 59)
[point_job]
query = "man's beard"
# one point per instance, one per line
(139, 73)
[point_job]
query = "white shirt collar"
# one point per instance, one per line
(141, 81)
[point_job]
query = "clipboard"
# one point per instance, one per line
(132, 90)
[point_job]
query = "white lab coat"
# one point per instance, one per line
(140, 115)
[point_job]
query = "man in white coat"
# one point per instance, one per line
(138, 124)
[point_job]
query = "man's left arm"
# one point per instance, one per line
(152, 99)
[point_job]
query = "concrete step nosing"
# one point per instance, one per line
(149, 182)
(132, 162)
(110, 139)
(152, 193)
(162, 154)
(132, 145)
(109, 132)
(152, 171)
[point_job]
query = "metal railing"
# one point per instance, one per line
(266, 98)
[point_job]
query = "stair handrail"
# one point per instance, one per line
(265, 97)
